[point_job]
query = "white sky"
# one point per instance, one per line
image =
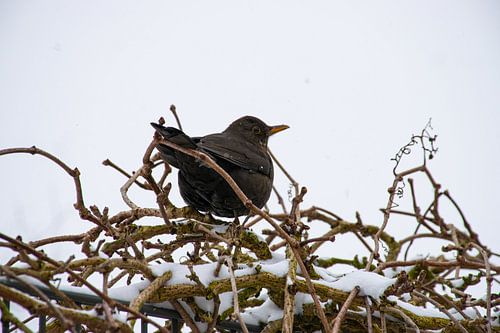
(353, 79)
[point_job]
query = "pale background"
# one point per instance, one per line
(353, 79)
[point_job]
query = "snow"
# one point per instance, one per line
(126, 293)
(103, 255)
(300, 300)
(457, 283)
(279, 269)
(120, 316)
(419, 311)
(205, 272)
(264, 313)
(406, 297)
(326, 274)
(371, 284)
(204, 304)
(226, 301)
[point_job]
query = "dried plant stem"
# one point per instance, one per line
(236, 303)
(340, 316)
(383, 324)
(442, 309)
(108, 162)
(68, 324)
(390, 202)
(402, 315)
(289, 296)
(146, 293)
(369, 321)
(488, 284)
(282, 168)
(185, 316)
(124, 189)
(173, 109)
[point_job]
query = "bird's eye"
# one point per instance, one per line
(256, 130)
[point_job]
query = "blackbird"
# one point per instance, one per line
(241, 150)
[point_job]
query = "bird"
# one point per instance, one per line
(241, 150)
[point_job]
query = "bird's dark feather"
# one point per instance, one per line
(246, 156)
(243, 157)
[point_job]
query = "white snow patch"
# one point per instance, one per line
(219, 228)
(457, 283)
(326, 274)
(406, 297)
(418, 310)
(371, 284)
(204, 304)
(264, 313)
(103, 255)
(226, 301)
(300, 300)
(179, 272)
(279, 268)
(120, 316)
(128, 293)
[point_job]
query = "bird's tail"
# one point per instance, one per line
(174, 135)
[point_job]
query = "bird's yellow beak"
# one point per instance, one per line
(277, 128)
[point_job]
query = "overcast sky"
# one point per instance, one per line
(353, 79)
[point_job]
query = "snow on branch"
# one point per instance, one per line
(210, 270)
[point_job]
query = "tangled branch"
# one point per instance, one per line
(210, 270)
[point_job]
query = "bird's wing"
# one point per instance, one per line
(239, 153)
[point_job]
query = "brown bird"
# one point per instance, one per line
(241, 150)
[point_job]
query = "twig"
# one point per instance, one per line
(108, 162)
(126, 186)
(335, 216)
(107, 309)
(185, 316)
(289, 294)
(236, 305)
(8, 317)
(282, 168)
(212, 234)
(383, 324)
(403, 315)
(173, 109)
(462, 215)
(74, 173)
(392, 193)
(145, 294)
(340, 316)
(369, 321)
(215, 315)
(433, 263)
(442, 309)
(280, 200)
(253, 222)
(361, 239)
(488, 284)
(447, 301)
(68, 324)
(44, 257)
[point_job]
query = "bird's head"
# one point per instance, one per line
(253, 129)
